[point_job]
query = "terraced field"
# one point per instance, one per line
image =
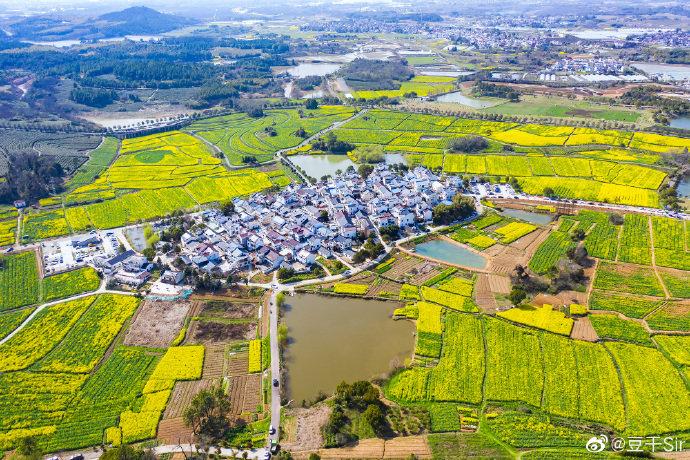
(153, 176)
(240, 137)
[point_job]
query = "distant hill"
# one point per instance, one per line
(140, 20)
(137, 20)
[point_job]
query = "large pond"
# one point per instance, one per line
(459, 98)
(317, 166)
(681, 122)
(451, 253)
(527, 216)
(308, 69)
(334, 339)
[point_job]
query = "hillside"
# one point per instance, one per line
(138, 20)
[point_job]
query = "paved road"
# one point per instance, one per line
(275, 363)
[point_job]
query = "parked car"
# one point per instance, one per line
(272, 430)
(275, 382)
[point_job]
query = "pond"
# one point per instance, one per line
(451, 253)
(460, 98)
(528, 216)
(317, 166)
(684, 187)
(681, 122)
(333, 339)
(136, 237)
(308, 69)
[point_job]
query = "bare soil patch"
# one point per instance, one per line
(228, 309)
(157, 323)
(182, 395)
(216, 332)
(583, 330)
(174, 431)
(308, 427)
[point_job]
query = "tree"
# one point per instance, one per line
(374, 416)
(125, 452)
(469, 144)
(207, 414)
(227, 207)
(517, 295)
(314, 456)
(311, 104)
(364, 170)
(28, 448)
(149, 253)
(461, 208)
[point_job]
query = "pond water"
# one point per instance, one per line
(317, 166)
(451, 253)
(136, 238)
(308, 69)
(334, 339)
(684, 187)
(680, 122)
(460, 98)
(527, 216)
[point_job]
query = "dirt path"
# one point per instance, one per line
(651, 248)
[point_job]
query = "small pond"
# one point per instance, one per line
(317, 166)
(451, 253)
(684, 187)
(459, 98)
(308, 69)
(528, 216)
(333, 339)
(681, 122)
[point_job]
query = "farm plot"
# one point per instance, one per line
(673, 316)
(158, 174)
(657, 400)
(448, 299)
(627, 278)
(514, 231)
(420, 85)
(677, 282)
(10, 320)
(99, 160)
(429, 329)
(459, 373)
(610, 326)
(239, 136)
(44, 224)
(632, 306)
(19, 283)
(670, 236)
(39, 336)
(540, 317)
(676, 346)
(157, 324)
(70, 283)
(8, 231)
(513, 363)
(91, 335)
(554, 247)
(97, 406)
(635, 243)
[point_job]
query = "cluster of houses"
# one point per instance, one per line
(301, 223)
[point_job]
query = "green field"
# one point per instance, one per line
(562, 108)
